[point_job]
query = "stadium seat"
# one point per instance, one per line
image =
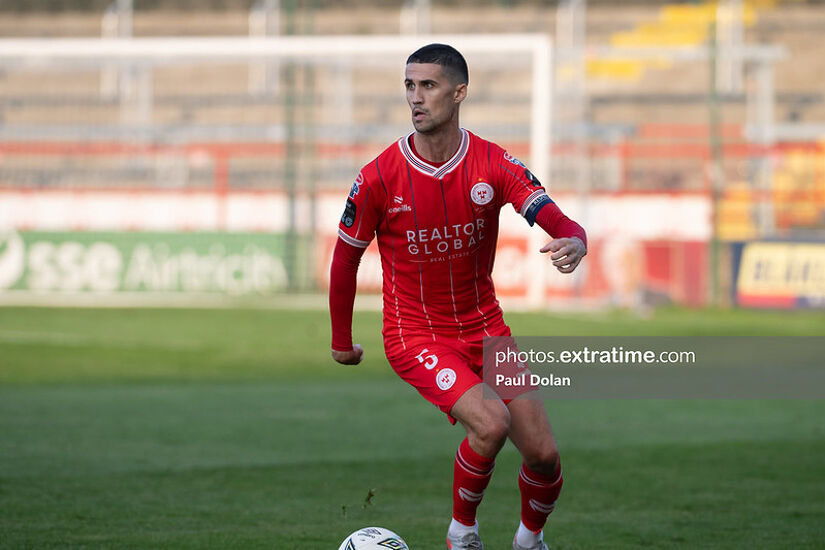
(677, 25)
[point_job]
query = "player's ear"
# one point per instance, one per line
(460, 93)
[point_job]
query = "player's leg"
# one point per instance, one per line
(487, 422)
(540, 477)
(442, 374)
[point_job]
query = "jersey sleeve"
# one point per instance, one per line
(518, 186)
(362, 212)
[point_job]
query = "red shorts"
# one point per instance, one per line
(443, 369)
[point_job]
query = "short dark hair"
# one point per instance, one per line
(446, 56)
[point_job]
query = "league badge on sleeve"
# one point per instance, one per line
(513, 160)
(348, 218)
(356, 186)
(534, 181)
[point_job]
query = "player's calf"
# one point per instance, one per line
(539, 493)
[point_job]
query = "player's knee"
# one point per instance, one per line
(544, 461)
(493, 431)
(499, 428)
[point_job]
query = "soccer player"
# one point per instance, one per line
(433, 200)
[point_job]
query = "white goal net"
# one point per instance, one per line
(255, 135)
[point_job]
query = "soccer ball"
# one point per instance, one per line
(373, 538)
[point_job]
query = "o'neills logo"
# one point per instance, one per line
(397, 209)
(447, 238)
(399, 200)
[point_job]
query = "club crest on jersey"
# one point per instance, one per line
(481, 193)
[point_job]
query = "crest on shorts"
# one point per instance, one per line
(445, 378)
(482, 193)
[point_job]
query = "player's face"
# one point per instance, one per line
(433, 98)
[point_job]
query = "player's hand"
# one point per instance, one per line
(351, 357)
(566, 253)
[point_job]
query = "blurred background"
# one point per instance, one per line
(200, 150)
(198, 153)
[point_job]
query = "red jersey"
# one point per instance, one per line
(437, 228)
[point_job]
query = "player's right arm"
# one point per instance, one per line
(342, 285)
(355, 231)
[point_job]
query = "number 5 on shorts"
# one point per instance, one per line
(430, 361)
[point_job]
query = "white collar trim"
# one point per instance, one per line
(428, 169)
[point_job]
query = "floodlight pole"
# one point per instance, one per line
(541, 154)
(292, 152)
(766, 138)
(729, 30)
(264, 20)
(571, 83)
(131, 84)
(415, 17)
(569, 76)
(716, 169)
(117, 22)
(310, 138)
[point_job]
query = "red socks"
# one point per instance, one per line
(538, 496)
(471, 474)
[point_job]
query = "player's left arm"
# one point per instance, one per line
(527, 195)
(569, 244)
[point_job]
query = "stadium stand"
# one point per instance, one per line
(53, 124)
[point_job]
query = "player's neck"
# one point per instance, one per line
(438, 146)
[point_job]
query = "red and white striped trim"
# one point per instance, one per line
(535, 483)
(455, 310)
(470, 469)
(423, 304)
(395, 295)
(533, 196)
(478, 299)
(428, 169)
(352, 240)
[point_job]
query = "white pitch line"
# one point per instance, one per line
(78, 340)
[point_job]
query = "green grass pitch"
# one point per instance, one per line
(234, 429)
